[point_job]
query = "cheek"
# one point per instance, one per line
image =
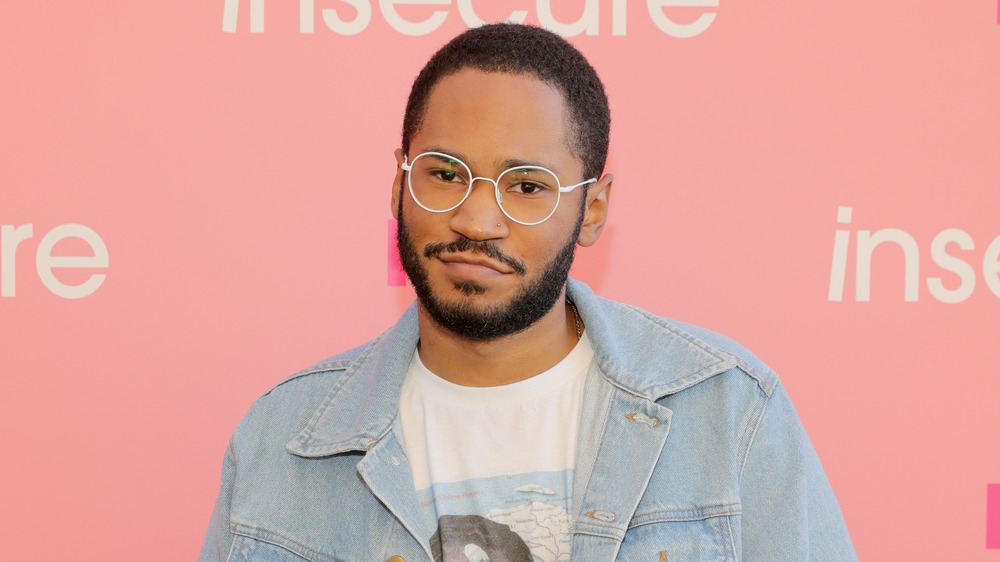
(564, 224)
(540, 247)
(419, 223)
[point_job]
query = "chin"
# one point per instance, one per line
(469, 288)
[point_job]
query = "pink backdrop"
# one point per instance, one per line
(230, 173)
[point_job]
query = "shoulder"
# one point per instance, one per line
(322, 371)
(339, 401)
(281, 412)
(655, 356)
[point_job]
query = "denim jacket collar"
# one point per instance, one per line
(374, 378)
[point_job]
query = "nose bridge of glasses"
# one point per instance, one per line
(494, 182)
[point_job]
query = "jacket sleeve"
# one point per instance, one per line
(218, 539)
(789, 510)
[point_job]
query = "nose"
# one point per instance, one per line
(479, 217)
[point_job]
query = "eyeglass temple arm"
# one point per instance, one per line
(569, 188)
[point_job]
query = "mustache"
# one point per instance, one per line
(486, 247)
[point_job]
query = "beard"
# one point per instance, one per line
(533, 300)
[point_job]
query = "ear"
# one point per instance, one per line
(397, 184)
(595, 211)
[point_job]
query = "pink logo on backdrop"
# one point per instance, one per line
(993, 516)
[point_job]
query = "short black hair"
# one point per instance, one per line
(524, 49)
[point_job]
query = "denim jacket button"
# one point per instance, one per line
(602, 515)
(640, 418)
(395, 559)
(396, 462)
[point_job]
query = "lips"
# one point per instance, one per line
(474, 265)
(481, 253)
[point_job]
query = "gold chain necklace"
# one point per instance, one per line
(576, 318)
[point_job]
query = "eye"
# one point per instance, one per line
(526, 188)
(529, 182)
(442, 172)
(446, 175)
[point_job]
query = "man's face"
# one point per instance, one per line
(476, 272)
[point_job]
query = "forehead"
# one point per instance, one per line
(492, 116)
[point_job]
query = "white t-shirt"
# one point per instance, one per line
(492, 465)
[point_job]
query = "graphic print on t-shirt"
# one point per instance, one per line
(519, 517)
(493, 466)
(474, 538)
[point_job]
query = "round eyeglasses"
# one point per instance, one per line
(528, 195)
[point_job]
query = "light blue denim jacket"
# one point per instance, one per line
(689, 450)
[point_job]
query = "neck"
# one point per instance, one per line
(502, 360)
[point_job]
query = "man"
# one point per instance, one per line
(511, 414)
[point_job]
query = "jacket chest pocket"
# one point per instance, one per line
(247, 549)
(258, 545)
(711, 538)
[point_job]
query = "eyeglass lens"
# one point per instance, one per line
(527, 193)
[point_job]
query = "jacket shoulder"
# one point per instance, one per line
(725, 346)
(325, 368)
(281, 412)
(672, 355)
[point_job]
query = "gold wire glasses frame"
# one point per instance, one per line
(440, 182)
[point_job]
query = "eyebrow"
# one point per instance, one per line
(443, 150)
(502, 165)
(515, 163)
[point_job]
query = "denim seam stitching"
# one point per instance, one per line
(613, 530)
(338, 365)
(271, 537)
(231, 451)
(682, 515)
(732, 538)
(232, 545)
(753, 436)
(698, 377)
